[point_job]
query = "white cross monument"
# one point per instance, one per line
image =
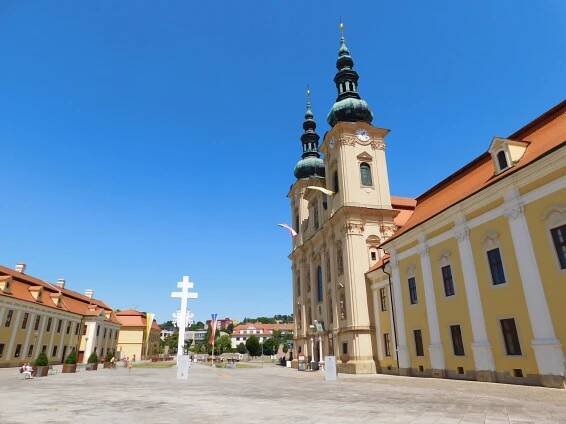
(182, 319)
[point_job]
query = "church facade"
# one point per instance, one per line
(342, 210)
(466, 281)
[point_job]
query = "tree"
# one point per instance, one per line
(242, 348)
(223, 345)
(230, 328)
(167, 325)
(270, 346)
(253, 346)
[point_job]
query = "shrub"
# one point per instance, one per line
(253, 346)
(93, 358)
(72, 358)
(109, 356)
(242, 348)
(42, 360)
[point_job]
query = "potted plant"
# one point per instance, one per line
(108, 363)
(70, 364)
(92, 362)
(41, 365)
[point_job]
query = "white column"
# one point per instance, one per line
(312, 349)
(90, 341)
(320, 357)
(548, 349)
(53, 329)
(376, 309)
(402, 349)
(14, 326)
(40, 335)
(62, 340)
(29, 331)
(483, 357)
(435, 348)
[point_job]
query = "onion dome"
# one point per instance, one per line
(349, 106)
(310, 164)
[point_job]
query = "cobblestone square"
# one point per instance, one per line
(269, 394)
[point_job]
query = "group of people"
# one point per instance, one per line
(26, 369)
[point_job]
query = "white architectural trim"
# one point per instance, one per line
(483, 356)
(435, 348)
(402, 348)
(548, 350)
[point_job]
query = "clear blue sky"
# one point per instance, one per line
(144, 140)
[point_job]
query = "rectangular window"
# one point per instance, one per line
(373, 255)
(345, 348)
(97, 331)
(386, 344)
(36, 325)
(30, 351)
(104, 336)
(448, 281)
(77, 329)
(496, 266)
(54, 351)
(457, 342)
(59, 324)
(25, 321)
(413, 291)
(68, 328)
(18, 351)
(1, 349)
(84, 330)
(559, 239)
(383, 298)
(419, 350)
(48, 329)
(44, 349)
(510, 336)
(8, 318)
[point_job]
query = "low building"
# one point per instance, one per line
(221, 323)
(138, 339)
(196, 336)
(37, 316)
(263, 332)
(166, 333)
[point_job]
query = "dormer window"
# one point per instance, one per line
(505, 153)
(5, 282)
(502, 160)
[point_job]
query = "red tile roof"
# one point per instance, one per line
(134, 318)
(69, 300)
(545, 134)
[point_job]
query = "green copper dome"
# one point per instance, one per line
(310, 164)
(349, 106)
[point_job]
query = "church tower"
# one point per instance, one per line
(341, 210)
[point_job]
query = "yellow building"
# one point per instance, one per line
(139, 338)
(36, 316)
(474, 284)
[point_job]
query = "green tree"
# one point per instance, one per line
(223, 344)
(230, 328)
(253, 346)
(270, 346)
(242, 348)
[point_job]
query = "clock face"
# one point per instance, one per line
(362, 135)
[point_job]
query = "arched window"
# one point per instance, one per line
(335, 182)
(316, 222)
(502, 160)
(365, 174)
(319, 284)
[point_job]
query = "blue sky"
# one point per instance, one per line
(145, 140)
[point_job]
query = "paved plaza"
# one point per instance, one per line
(267, 395)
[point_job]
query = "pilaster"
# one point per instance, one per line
(483, 356)
(548, 349)
(435, 348)
(397, 301)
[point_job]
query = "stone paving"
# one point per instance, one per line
(267, 395)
